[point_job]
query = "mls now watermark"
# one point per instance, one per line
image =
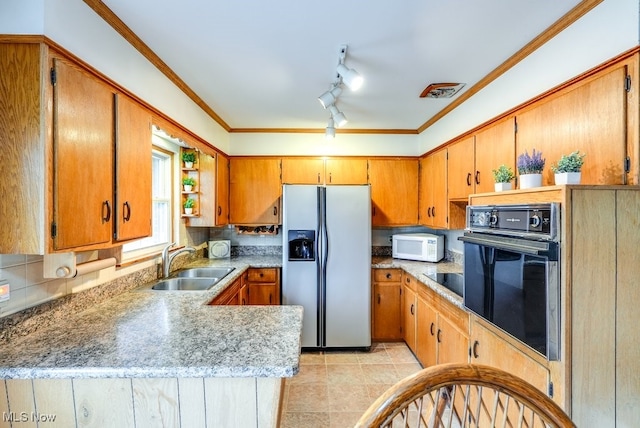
(27, 417)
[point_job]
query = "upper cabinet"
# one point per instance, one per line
(394, 191)
(213, 194)
(132, 207)
(222, 190)
(324, 171)
(472, 159)
(255, 189)
(63, 162)
(590, 116)
(432, 197)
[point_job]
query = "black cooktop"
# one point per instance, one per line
(451, 281)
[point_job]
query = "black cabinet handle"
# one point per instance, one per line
(439, 334)
(412, 309)
(318, 178)
(431, 329)
(126, 211)
(270, 298)
(469, 179)
(374, 210)
(388, 276)
(433, 211)
(329, 177)
(219, 210)
(106, 216)
(275, 210)
(475, 349)
(429, 212)
(477, 177)
(378, 298)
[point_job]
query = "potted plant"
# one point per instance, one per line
(568, 168)
(503, 176)
(188, 183)
(188, 206)
(530, 169)
(188, 158)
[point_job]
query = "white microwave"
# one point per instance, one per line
(424, 247)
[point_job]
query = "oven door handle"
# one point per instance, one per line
(534, 248)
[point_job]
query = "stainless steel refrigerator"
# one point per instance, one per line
(327, 263)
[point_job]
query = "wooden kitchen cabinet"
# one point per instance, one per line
(432, 198)
(426, 332)
(324, 171)
(302, 171)
(231, 295)
(472, 159)
(394, 191)
(345, 171)
(409, 309)
(386, 304)
(590, 117)
(264, 286)
(254, 191)
(132, 207)
(213, 191)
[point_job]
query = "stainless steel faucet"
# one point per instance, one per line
(168, 258)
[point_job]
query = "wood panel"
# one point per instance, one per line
(21, 402)
(156, 401)
(408, 317)
(23, 149)
(269, 390)
(453, 344)
(387, 311)
(302, 171)
(593, 306)
(255, 191)
(394, 191)
(346, 171)
(91, 408)
(590, 118)
(433, 201)
(222, 190)
(461, 168)
(54, 399)
(206, 187)
(426, 331)
(627, 302)
(192, 403)
(220, 392)
(495, 146)
(83, 158)
(133, 203)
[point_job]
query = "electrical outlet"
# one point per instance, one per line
(5, 291)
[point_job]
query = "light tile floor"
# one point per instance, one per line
(333, 389)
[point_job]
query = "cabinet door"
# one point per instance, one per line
(590, 118)
(394, 191)
(302, 171)
(222, 190)
(132, 207)
(387, 315)
(461, 169)
(346, 171)
(82, 159)
(254, 191)
(433, 201)
(426, 331)
(453, 344)
(263, 294)
(409, 317)
(495, 146)
(244, 294)
(489, 349)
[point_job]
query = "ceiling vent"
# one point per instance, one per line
(441, 90)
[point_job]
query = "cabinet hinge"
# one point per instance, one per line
(551, 389)
(53, 76)
(54, 230)
(515, 126)
(627, 164)
(627, 83)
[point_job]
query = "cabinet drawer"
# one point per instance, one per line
(263, 275)
(387, 275)
(409, 281)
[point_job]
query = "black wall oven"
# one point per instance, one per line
(511, 271)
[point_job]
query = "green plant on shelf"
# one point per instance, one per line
(569, 163)
(188, 156)
(503, 174)
(189, 203)
(188, 181)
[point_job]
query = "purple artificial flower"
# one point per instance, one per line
(533, 164)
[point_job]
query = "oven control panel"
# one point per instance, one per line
(539, 219)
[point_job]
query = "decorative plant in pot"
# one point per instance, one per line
(188, 206)
(188, 183)
(568, 168)
(530, 169)
(503, 176)
(188, 158)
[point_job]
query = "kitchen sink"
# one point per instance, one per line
(185, 284)
(205, 272)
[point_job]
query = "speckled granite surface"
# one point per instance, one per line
(146, 333)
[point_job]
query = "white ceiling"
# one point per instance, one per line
(262, 64)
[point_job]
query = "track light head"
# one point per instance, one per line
(339, 119)
(350, 77)
(330, 131)
(330, 96)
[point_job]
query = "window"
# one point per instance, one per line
(162, 202)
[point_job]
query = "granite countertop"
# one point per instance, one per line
(145, 333)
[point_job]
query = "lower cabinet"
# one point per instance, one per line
(488, 347)
(231, 295)
(386, 304)
(409, 311)
(263, 286)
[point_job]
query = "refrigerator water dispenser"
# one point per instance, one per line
(302, 245)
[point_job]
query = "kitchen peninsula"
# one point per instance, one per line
(150, 358)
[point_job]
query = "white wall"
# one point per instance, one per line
(318, 145)
(605, 32)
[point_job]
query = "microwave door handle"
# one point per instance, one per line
(515, 245)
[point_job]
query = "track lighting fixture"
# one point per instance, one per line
(350, 77)
(330, 131)
(331, 96)
(339, 119)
